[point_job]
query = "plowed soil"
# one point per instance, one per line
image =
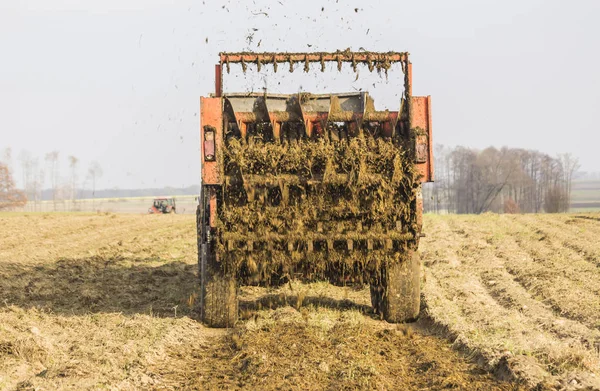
(522, 292)
(108, 302)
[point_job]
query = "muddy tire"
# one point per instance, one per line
(219, 301)
(399, 297)
(376, 298)
(218, 292)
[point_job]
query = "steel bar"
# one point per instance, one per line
(341, 56)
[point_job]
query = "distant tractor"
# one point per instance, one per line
(163, 205)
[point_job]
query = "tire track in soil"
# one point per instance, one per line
(590, 218)
(589, 224)
(325, 349)
(476, 316)
(565, 280)
(539, 333)
(563, 232)
(512, 293)
(312, 348)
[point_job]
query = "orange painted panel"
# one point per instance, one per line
(211, 114)
(421, 118)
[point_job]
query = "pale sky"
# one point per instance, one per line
(119, 81)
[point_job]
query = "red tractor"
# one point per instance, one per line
(163, 205)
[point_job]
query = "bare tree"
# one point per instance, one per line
(6, 158)
(25, 158)
(26, 172)
(38, 184)
(94, 173)
(73, 162)
(509, 180)
(10, 197)
(570, 165)
(53, 172)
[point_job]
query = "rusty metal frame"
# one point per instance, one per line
(315, 120)
(380, 61)
(211, 116)
(338, 57)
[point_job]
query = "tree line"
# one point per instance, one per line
(505, 180)
(38, 174)
(467, 180)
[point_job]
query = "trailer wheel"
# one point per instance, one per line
(399, 297)
(219, 307)
(218, 292)
(376, 298)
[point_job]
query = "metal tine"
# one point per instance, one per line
(249, 192)
(373, 60)
(389, 244)
(370, 64)
(285, 193)
(262, 196)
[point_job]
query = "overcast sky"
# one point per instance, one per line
(118, 81)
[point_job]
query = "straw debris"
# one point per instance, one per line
(522, 308)
(287, 197)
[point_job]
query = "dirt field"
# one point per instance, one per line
(107, 302)
(186, 204)
(519, 291)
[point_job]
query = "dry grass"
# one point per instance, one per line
(88, 301)
(322, 348)
(520, 291)
(103, 302)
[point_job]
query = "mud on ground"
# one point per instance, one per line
(107, 302)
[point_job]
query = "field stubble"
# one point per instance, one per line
(107, 301)
(521, 292)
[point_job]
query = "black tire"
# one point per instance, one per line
(399, 296)
(376, 297)
(219, 301)
(218, 292)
